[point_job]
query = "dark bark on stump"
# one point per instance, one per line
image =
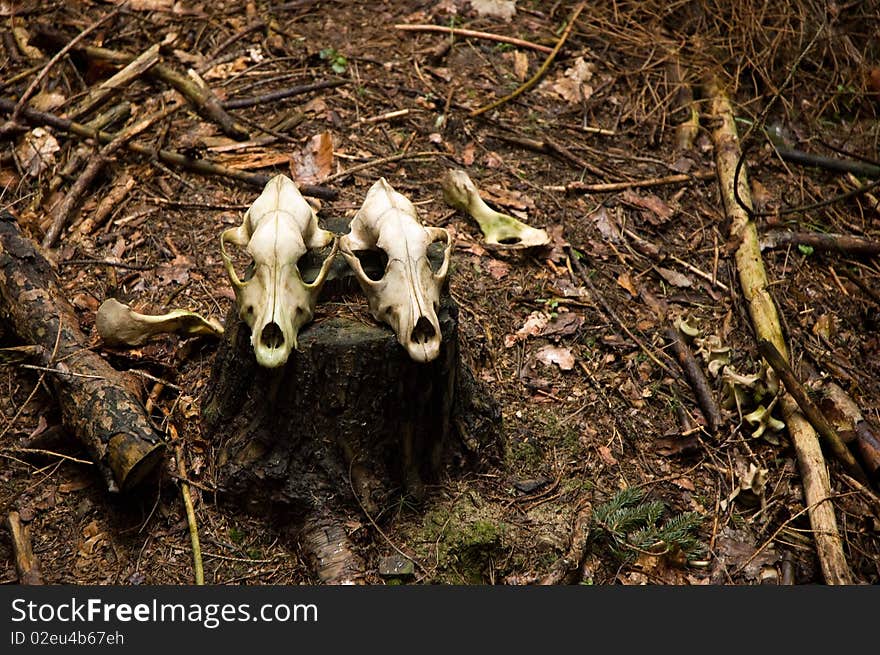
(98, 403)
(348, 424)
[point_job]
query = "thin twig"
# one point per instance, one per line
(241, 103)
(381, 161)
(611, 187)
(537, 76)
(488, 36)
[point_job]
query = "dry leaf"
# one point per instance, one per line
(558, 355)
(660, 212)
(468, 154)
(625, 280)
(674, 278)
(606, 225)
(315, 161)
(37, 151)
(505, 9)
(520, 65)
(534, 324)
(177, 270)
(571, 85)
(498, 269)
(254, 160)
(507, 198)
(606, 456)
(565, 324)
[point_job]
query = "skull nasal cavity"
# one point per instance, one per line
(423, 331)
(272, 336)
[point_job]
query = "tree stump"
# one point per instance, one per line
(347, 424)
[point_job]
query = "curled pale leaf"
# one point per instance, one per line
(119, 325)
(499, 230)
(687, 326)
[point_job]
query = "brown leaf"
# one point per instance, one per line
(565, 324)
(674, 278)
(571, 85)
(498, 269)
(177, 270)
(558, 355)
(37, 151)
(606, 456)
(625, 280)
(315, 161)
(606, 225)
(507, 198)
(468, 154)
(520, 65)
(534, 323)
(254, 160)
(659, 211)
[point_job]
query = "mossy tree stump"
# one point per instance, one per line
(348, 424)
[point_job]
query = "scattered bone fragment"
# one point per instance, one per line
(119, 325)
(498, 229)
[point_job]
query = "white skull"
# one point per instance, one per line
(408, 295)
(278, 229)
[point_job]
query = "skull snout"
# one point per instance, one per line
(272, 336)
(423, 331)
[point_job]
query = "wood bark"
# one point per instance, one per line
(26, 564)
(347, 424)
(99, 405)
(765, 319)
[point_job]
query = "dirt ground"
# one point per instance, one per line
(588, 410)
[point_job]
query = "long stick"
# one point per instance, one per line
(537, 76)
(765, 319)
(613, 187)
(455, 31)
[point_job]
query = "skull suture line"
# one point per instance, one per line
(408, 295)
(278, 229)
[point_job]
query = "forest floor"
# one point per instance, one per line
(588, 410)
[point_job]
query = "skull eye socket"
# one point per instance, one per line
(374, 263)
(272, 336)
(423, 331)
(436, 251)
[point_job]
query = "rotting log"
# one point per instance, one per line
(348, 425)
(99, 404)
(766, 323)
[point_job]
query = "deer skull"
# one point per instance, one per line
(278, 229)
(408, 294)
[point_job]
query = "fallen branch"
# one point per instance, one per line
(62, 211)
(241, 103)
(833, 164)
(808, 407)
(99, 405)
(26, 564)
(612, 187)
(201, 166)
(842, 411)
(532, 81)
(98, 94)
(754, 283)
(191, 86)
(455, 31)
(819, 241)
(693, 373)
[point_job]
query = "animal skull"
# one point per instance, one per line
(278, 229)
(408, 295)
